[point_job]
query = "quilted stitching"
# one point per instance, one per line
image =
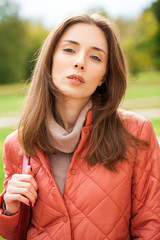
(92, 208)
(105, 199)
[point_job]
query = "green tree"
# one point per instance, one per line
(127, 29)
(12, 32)
(137, 39)
(155, 8)
(36, 34)
(19, 41)
(147, 27)
(12, 49)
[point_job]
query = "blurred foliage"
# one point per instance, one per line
(36, 34)
(137, 40)
(140, 38)
(155, 8)
(21, 39)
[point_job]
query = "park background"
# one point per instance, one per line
(21, 37)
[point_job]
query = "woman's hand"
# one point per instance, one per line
(21, 188)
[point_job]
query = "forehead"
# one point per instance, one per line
(85, 33)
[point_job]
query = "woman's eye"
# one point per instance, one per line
(69, 50)
(96, 58)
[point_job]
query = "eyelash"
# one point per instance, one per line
(69, 50)
(96, 58)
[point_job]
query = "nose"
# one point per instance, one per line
(79, 64)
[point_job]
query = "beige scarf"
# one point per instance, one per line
(66, 143)
(63, 140)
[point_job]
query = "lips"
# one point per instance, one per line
(76, 78)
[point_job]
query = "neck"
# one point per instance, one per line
(67, 112)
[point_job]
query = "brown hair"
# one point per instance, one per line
(109, 138)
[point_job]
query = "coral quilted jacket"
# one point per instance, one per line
(98, 204)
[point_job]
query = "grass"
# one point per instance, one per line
(144, 85)
(156, 124)
(143, 91)
(12, 99)
(11, 105)
(140, 90)
(152, 77)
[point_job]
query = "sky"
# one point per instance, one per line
(51, 12)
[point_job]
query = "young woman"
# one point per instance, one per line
(94, 170)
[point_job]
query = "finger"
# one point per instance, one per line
(15, 184)
(24, 184)
(25, 188)
(25, 178)
(23, 192)
(9, 198)
(29, 170)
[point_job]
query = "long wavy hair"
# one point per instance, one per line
(109, 140)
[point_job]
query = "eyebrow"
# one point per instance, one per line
(77, 43)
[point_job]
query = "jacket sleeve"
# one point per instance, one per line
(12, 165)
(145, 221)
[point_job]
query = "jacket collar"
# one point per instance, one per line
(85, 132)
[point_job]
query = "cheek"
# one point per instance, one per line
(55, 66)
(98, 75)
(57, 63)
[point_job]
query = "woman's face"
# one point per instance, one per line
(79, 61)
